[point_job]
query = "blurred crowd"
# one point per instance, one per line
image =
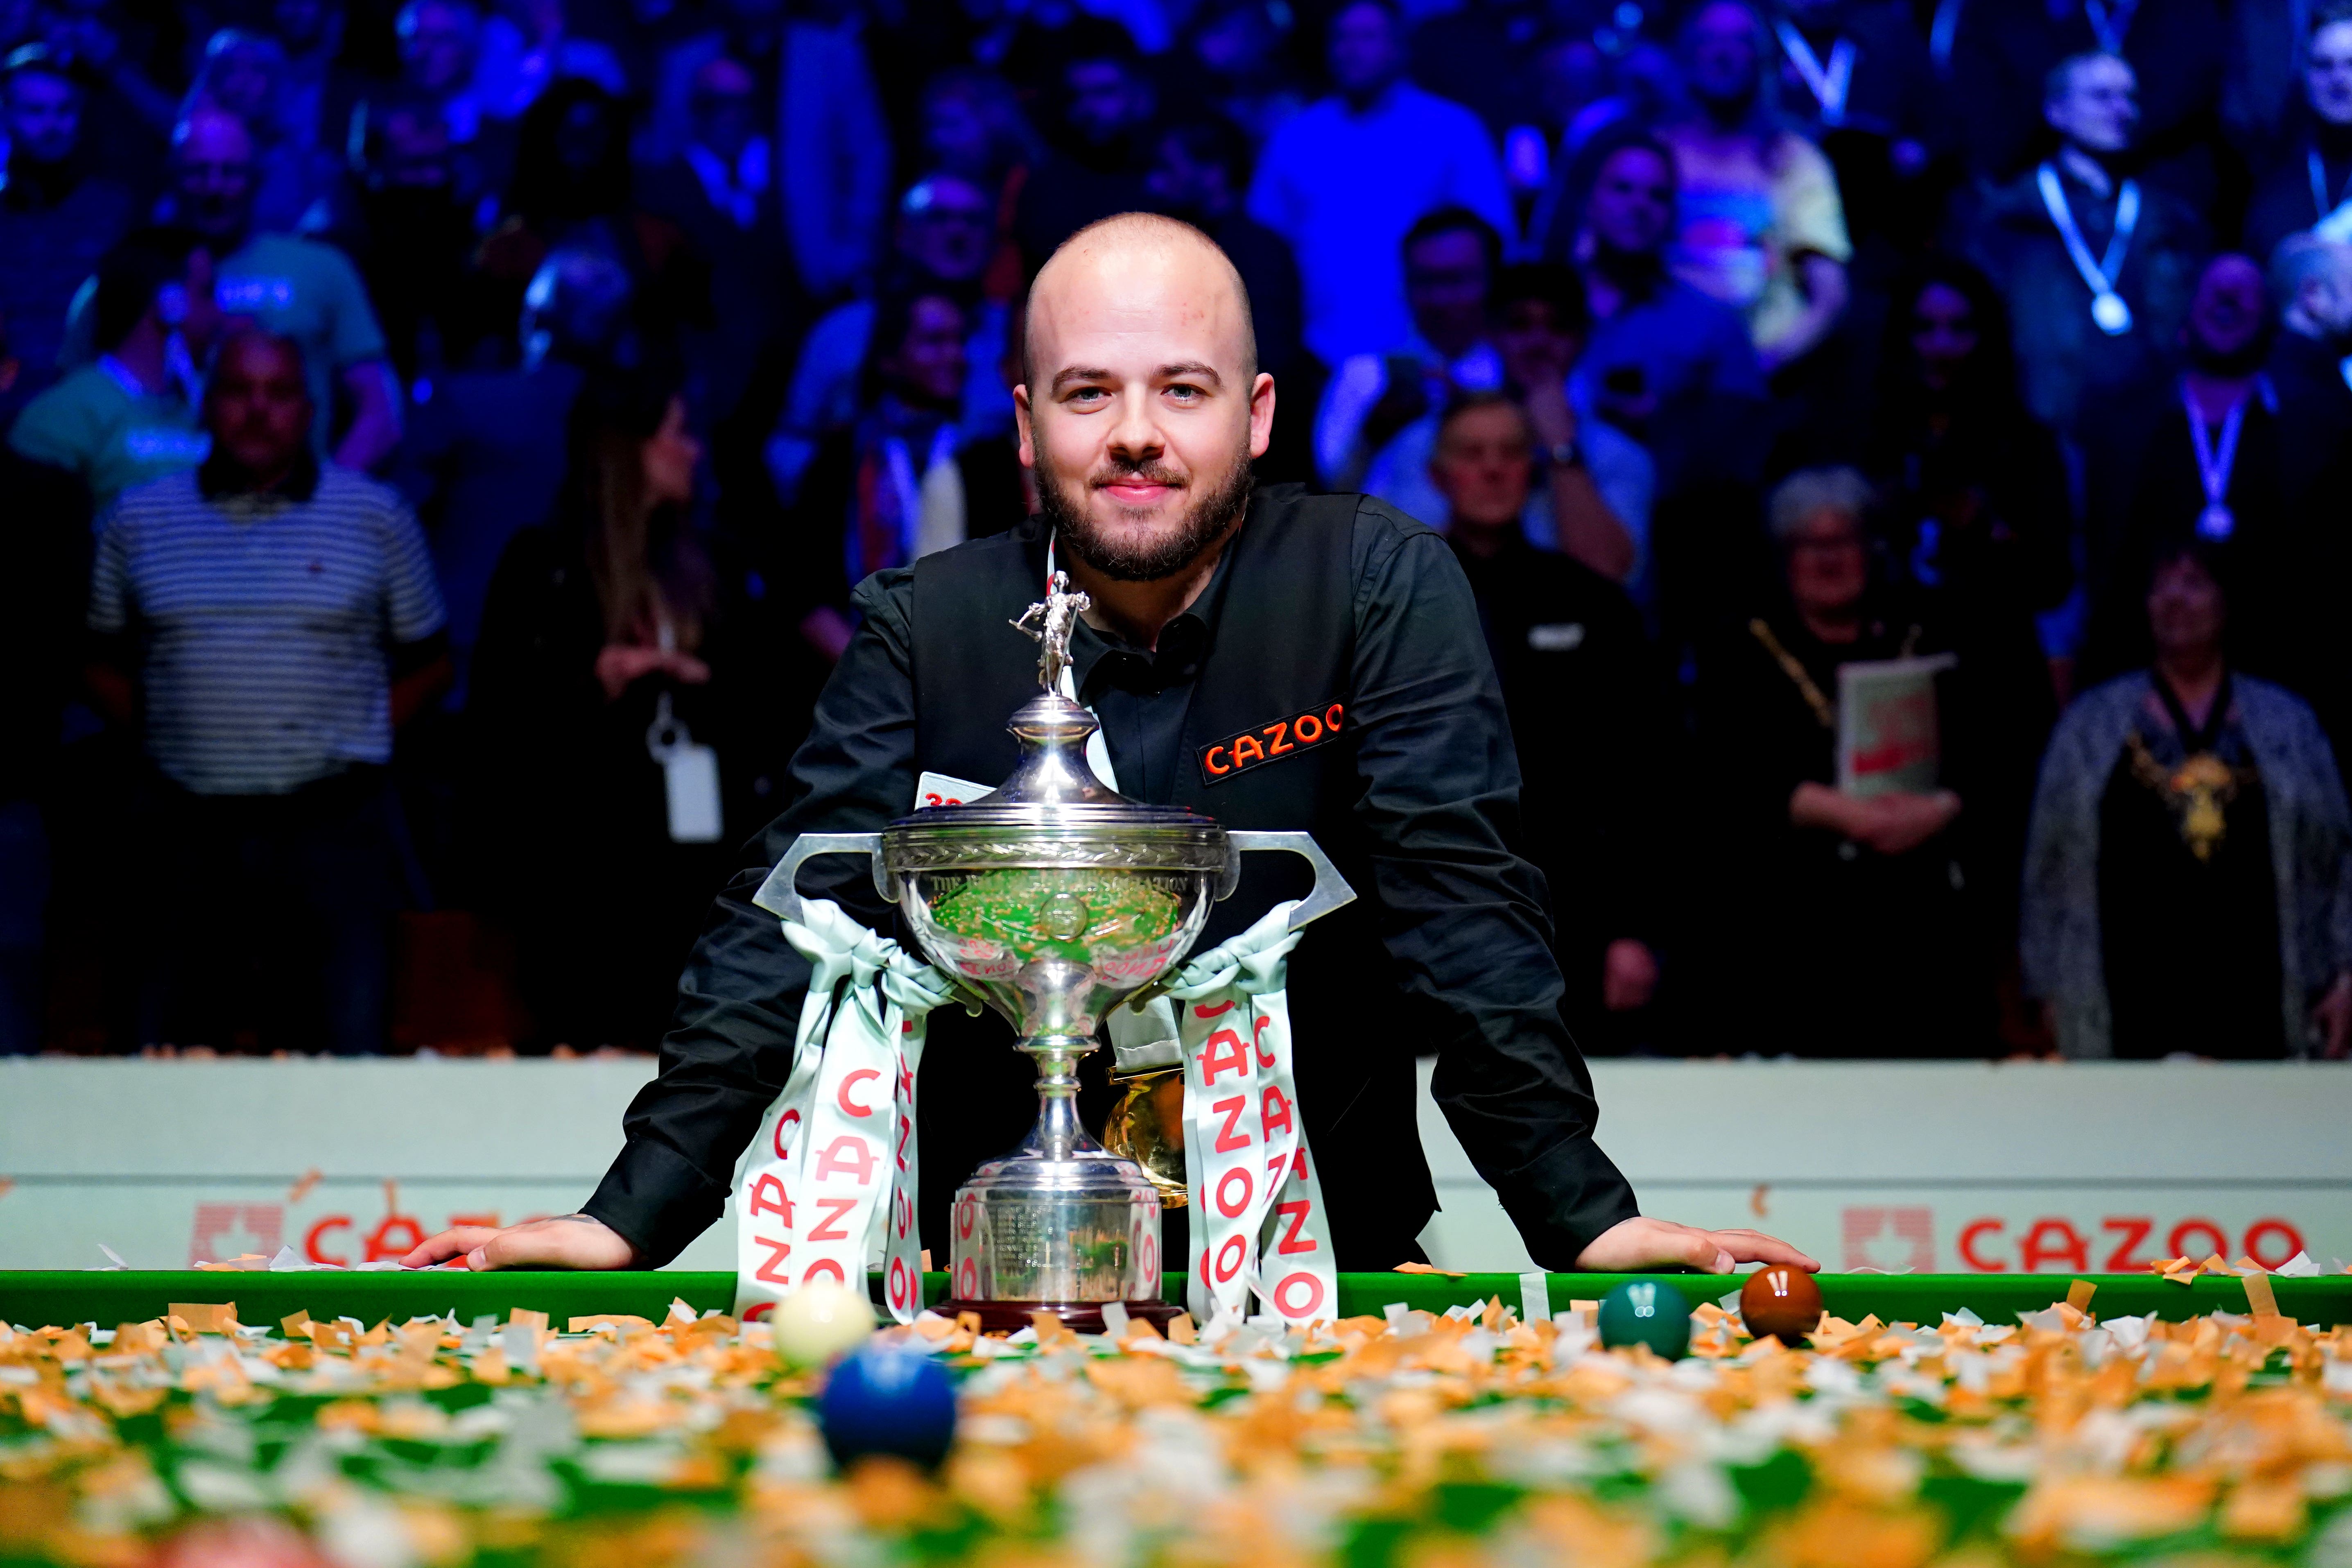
(442, 437)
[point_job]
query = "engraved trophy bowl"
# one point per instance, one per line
(1054, 899)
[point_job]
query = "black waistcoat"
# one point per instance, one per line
(1282, 646)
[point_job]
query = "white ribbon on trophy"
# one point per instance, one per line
(1259, 1225)
(840, 1140)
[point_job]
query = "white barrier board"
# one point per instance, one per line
(1952, 1167)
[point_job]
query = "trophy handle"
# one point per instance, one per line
(1331, 889)
(779, 895)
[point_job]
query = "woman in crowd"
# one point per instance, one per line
(2189, 879)
(610, 658)
(1854, 929)
(1977, 485)
(246, 75)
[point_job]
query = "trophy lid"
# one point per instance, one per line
(1052, 793)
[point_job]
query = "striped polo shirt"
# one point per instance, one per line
(265, 622)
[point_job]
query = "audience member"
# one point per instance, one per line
(58, 215)
(1594, 503)
(944, 236)
(902, 478)
(613, 653)
(2197, 455)
(265, 623)
(1761, 227)
(1096, 164)
(41, 599)
(1235, 54)
(573, 187)
(1344, 180)
(1666, 363)
(2311, 186)
(972, 128)
(2004, 51)
(1200, 173)
(2096, 265)
(833, 146)
(1451, 257)
(528, 46)
(1857, 78)
(406, 213)
(130, 417)
(1856, 934)
(244, 74)
(1580, 683)
(2189, 886)
(2311, 282)
(283, 284)
(1978, 487)
(484, 454)
(721, 194)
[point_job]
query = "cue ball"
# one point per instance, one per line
(884, 1399)
(1646, 1313)
(1781, 1302)
(818, 1321)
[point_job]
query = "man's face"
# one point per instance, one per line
(2227, 314)
(1631, 207)
(1105, 100)
(1828, 566)
(436, 47)
(2100, 108)
(947, 227)
(1484, 466)
(257, 409)
(1364, 56)
(2185, 607)
(1446, 284)
(1723, 59)
(2328, 77)
(929, 365)
(213, 170)
(44, 116)
(1141, 416)
(1943, 333)
(417, 148)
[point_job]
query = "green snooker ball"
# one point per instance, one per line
(1646, 1313)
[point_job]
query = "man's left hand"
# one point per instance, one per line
(1632, 1246)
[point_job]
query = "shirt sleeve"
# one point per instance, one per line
(1805, 205)
(412, 596)
(109, 577)
(729, 1045)
(47, 431)
(1462, 915)
(353, 337)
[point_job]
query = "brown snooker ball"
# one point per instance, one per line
(1781, 1303)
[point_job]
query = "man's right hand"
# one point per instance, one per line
(567, 1241)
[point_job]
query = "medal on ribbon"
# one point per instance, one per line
(2108, 310)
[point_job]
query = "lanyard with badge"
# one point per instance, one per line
(2099, 274)
(2214, 461)
(2110, 23)
(1829, 84)
(690, 770)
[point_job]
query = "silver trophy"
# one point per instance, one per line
(1056, 899)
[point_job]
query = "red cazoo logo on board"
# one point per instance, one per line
(1903, 1237)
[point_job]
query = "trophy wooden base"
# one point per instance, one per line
(1079, 1316)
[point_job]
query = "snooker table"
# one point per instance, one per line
(2166, 1426)
(31, 1298)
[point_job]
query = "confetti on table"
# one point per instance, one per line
(1474, 1438)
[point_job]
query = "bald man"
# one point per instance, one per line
(1225, 620)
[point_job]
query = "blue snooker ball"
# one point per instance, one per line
(881, 1399)
(1646, 1313)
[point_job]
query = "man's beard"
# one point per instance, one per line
(1165, 552)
